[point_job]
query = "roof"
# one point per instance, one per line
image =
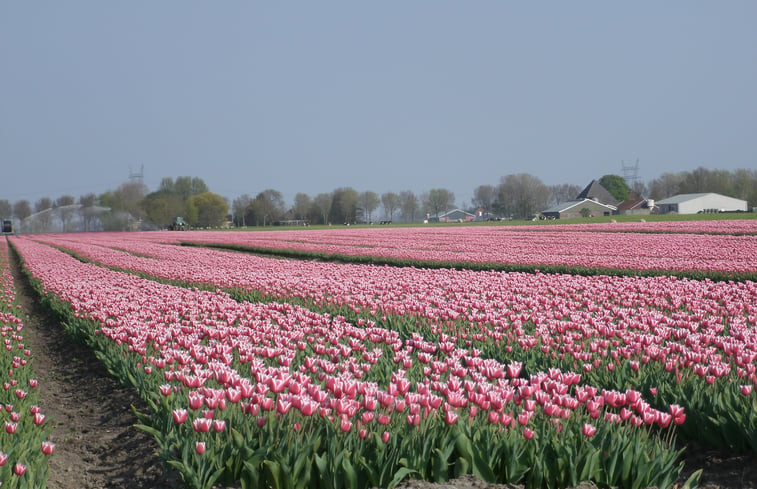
(564, 206)
(453, 211)
(595, 190)
(634, 200)
(677, 199)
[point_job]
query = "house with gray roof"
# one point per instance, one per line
(579, 208)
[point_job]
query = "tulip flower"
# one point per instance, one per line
(180, 415)
(200, 447)
(47, 447)
(588, 430)
(3, 458)
(19, 469)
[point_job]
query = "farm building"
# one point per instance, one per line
(578, 208)
(635, 204)
(701, 203)
(596, 192)
(455, 215)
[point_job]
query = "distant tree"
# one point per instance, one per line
(64, 200)
(617, 186)
(66, 213)
(43, 204)
(521, 195)
(268, 207)
(369, 201)
(241, 209)
(409, 205)
(207, 210)
(166, 185)
(22, 209)
(127, 198)
(391, 202)
(344, 205)
(483, 197)
(666, 185)
(87, 212)
(585, 212)
(562, 193)
(439, 200)
(186, 187)
(88, 200)
(302, 205)
(6, 209)
(162, 207)
(322, 203)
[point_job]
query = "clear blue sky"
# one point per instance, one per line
(309, 96)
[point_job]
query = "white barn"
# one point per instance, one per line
(700, 203)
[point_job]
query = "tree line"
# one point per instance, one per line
(516, 196)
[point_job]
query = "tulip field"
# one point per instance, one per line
(275, 371)
(685, 249)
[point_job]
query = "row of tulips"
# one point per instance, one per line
(694, 343)
(510, 249)
(24, 447)
(276, 394)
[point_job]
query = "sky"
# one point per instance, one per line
(306, 96)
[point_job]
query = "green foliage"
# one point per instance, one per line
(616, 185)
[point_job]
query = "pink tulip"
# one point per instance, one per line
(201, 425)
(10, 427)
(219, 425)
(180, 415)
(385, 437)
(528, 433)
(3, 458)
(588, 430)
(47, 447)
(19, 469)
(200, 447)
(746, 389)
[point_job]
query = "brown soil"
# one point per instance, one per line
(97, 445)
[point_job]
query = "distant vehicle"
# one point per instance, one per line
(7, 227)
(179, 224)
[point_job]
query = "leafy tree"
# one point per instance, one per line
(391, 202)
(162, 207)
(369, 201)
(439, 200)
(617, 186)
(207, 210)
(409, 205)
(186, 187)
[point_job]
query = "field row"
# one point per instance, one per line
(233, 379)
(24, 447)
(508, 248)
